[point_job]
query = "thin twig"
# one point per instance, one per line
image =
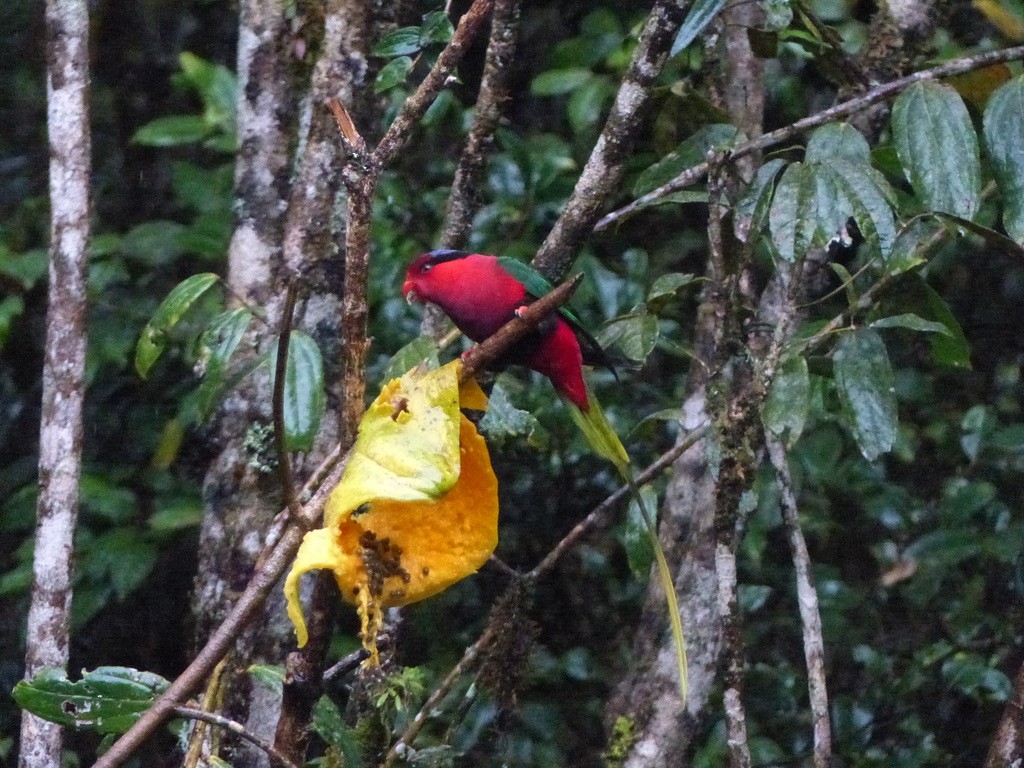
(236, 728)
(881, 93)
(284, 462)
(600, 513)
(350, 662)
(807, 599)
(465, 664)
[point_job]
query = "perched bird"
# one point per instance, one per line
(481, 293)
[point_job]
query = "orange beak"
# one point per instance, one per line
(408, 291)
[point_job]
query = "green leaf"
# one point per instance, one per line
(785, 409)
(153, 243)
(503, 419)
(700, 15)
(938, 148)
(867, 390)
(154, 336)
(752, 207)
(398, 42)
(121, 558)
(691, 152)
(216, 86)
(1004, 116)
(26, 268)
(558, 81)
(172, 131)
(792, 218)
(216, 346)
(635, 538)
(912, 243)
(946, 350)
(11, 308)
(587, 103)
(108, 699)
(634, 334)
(329, 726)
(838, 141)
(833, 208)
(419, 350)
(437, 28)
(865, 191)
(176, 515)
(666, 287)
(393, 73)
(912, 322)
(270, 676)
(304, 397)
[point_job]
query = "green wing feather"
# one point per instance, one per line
(537, 285)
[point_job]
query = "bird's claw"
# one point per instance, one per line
(519, 311)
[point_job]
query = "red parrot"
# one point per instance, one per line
(480, 296)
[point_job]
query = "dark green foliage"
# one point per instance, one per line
(904, 421)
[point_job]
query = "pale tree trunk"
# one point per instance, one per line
(664, 727)
(60, 443)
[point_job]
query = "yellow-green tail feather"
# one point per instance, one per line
(605, 442)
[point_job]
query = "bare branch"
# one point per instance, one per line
(414, 107)
(464, 199)
(606, 165)
(237, 728)
(60, 432)
(807, 598)
(599, 515)
(839, 111)
(595, 518)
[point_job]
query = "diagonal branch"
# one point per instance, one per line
(839, 111)
(606, 165)
(464, 199)
(237, 728)
(416, 105)
(597, 517)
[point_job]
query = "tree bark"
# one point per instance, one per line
(60, 440)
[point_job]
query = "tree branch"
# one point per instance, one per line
(605, 167)
(464, 198)
(237, 728)
(60, 431)
(807, 599)
(881, 93)
(416, 105)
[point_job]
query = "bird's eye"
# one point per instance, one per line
(426, 267)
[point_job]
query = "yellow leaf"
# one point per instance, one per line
(417, 507)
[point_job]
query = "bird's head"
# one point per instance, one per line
(422, 283)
